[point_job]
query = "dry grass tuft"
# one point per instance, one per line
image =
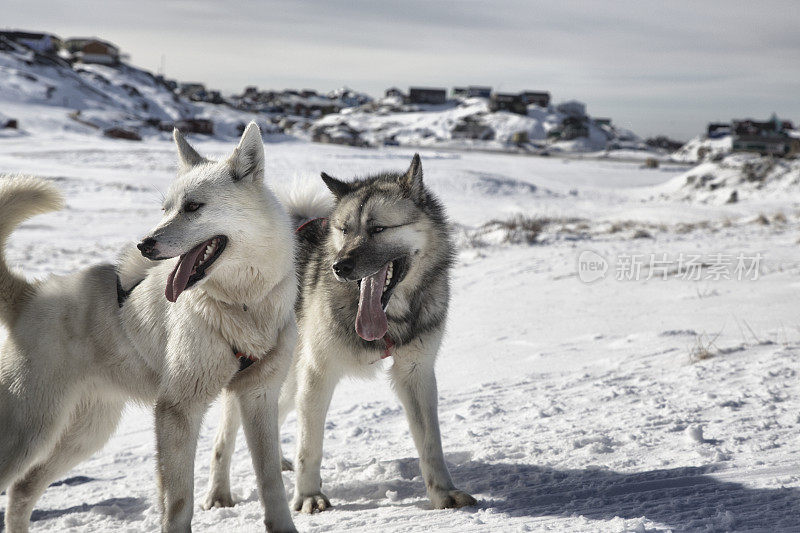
(704, 348)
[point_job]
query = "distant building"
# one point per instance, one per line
(573, 128)
(193, 91)
(93, 50)
(540, 98)
(717, 130)
(427, 95)
(308, 93)
(394, 92)
(349, 98)
(664, 143)
(168, 83)
(573, 108)
(460, 92)
(44, 43)
(195, 125)
(570, 128)
(508, 102)
(767, 138)
(479, 91)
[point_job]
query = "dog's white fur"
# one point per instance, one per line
(74, 357)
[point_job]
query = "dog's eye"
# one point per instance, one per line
(378, 229)
(191, 206)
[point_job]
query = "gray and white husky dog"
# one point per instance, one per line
(374, 282)
(166, 333)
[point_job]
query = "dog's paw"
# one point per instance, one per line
(271, 528)
(216, 498)
(452, 499)
(308, 503)
(286, 465)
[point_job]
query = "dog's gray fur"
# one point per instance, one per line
(75, 354)
(416, 234)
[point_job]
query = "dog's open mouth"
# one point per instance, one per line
(375, 292)
(192, 266)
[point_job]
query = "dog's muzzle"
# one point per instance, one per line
(148, 248)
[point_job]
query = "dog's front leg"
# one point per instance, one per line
(259, 410)
(415, 383)
(258, 394)
(177, 427)
(315, 385)
(219, 490)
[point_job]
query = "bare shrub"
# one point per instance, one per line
(521, 229)
(704, 348)
(518, 229)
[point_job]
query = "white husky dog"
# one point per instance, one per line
(82, 345)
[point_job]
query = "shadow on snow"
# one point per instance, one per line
(686, 498)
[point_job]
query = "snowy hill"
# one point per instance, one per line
(46, 94)
(702, 147)
(467, 123)
(737, 177)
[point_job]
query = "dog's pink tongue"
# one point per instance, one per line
(371, 323)
(179, 277)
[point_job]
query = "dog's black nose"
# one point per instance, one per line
(147, 247)
(344, 267)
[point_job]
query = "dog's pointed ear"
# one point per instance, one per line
(247, 161)
(411, 181)
(187, 155)
(338, 187)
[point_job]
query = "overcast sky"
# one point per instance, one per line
(655, 67)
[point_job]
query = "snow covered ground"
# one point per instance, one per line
(662, 395)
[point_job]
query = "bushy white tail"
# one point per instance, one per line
(304, 200)
(21, 197)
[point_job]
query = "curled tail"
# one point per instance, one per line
(20, 198)
(304, 201)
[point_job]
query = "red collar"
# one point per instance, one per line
(387, 352)
(244, 359)
(324, 222)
